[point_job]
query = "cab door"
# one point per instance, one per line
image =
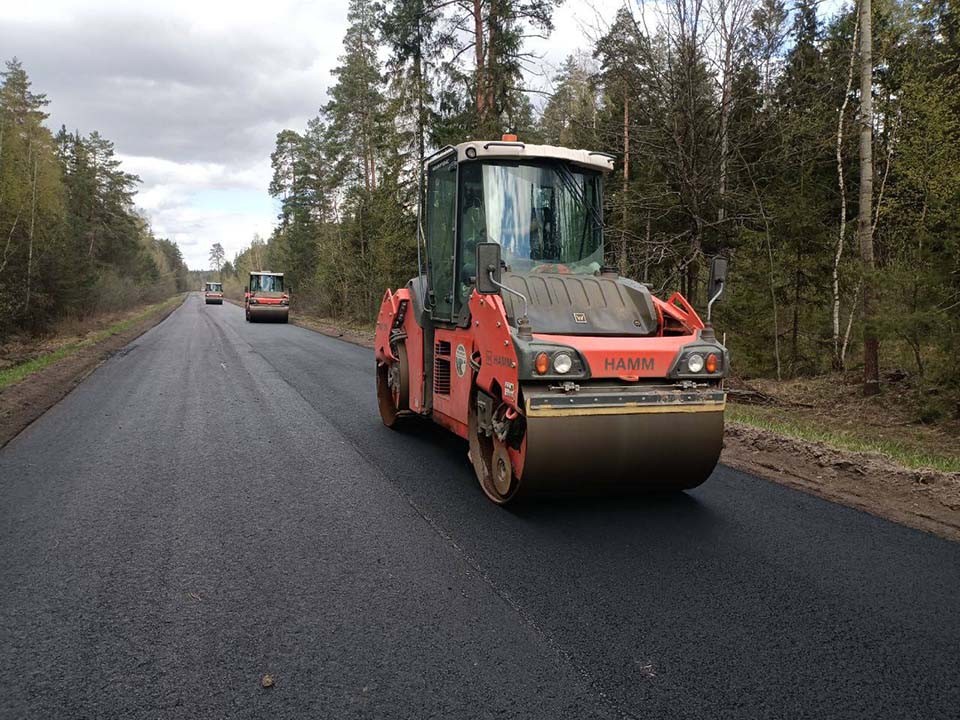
(440, 231)
(450, 373)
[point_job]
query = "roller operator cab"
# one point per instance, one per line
(564, 377)
(213, 293)
(264, 298)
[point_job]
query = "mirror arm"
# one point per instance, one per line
(713, 300)
(523, 322)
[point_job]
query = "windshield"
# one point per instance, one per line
(545, 216)
(214, 287)
(266, 283)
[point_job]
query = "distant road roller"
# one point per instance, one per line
(265, 299)
(213, 293)
(564, 377)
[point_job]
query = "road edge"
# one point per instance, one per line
(349, 335)
(25, 401)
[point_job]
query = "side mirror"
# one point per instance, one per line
(488, 263)
(718, 277)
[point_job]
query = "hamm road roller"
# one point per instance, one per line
(213, 293)
(564, 377)
(265, 299)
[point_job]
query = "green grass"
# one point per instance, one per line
(16, 373)
(818, 431)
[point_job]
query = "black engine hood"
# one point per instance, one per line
(561, 304)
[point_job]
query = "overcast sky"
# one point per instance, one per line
(193, 93)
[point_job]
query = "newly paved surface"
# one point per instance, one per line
(221, 501)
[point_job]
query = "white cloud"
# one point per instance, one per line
(192, 93)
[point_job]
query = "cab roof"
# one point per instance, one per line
(514, 149)
(265, 272)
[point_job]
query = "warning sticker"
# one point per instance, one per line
(461, 360)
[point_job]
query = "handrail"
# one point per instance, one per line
(503, 143)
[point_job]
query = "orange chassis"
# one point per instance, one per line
(483, 357)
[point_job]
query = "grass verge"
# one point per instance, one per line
(16, 373)
(816, 430)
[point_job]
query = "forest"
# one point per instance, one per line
(73, 243)
(738, 127)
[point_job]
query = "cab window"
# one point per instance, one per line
(440, 235)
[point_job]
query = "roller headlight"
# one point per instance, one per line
(562, 363)
(695, 362)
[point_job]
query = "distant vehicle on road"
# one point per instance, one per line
(213, 293)
(265, 299)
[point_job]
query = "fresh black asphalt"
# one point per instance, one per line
(220, 501)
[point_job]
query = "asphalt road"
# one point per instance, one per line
(220, 501)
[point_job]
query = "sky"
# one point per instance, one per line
(193, 93)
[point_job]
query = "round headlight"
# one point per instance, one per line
(562, 363)
(695, 363)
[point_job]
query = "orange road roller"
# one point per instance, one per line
(563, 376)
(213, 293)
(265, 299)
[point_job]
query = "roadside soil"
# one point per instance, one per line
(834, 403)
(23, 402)
(924, 499)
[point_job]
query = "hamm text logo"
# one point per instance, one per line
(627, 364)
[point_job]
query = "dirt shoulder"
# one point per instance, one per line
(925, 499)
(24, 401)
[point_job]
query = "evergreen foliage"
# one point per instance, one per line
(71, 242)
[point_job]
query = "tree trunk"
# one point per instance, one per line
(626, 183)
(871, 361)
(646, 249)
(491, 74)
(421, 109)
(725, 108)
(33, 219)
(837, 355)
(795, 335)
(773, 289)
(693, 266)
(480, 55)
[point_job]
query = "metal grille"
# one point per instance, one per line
(441, 376)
